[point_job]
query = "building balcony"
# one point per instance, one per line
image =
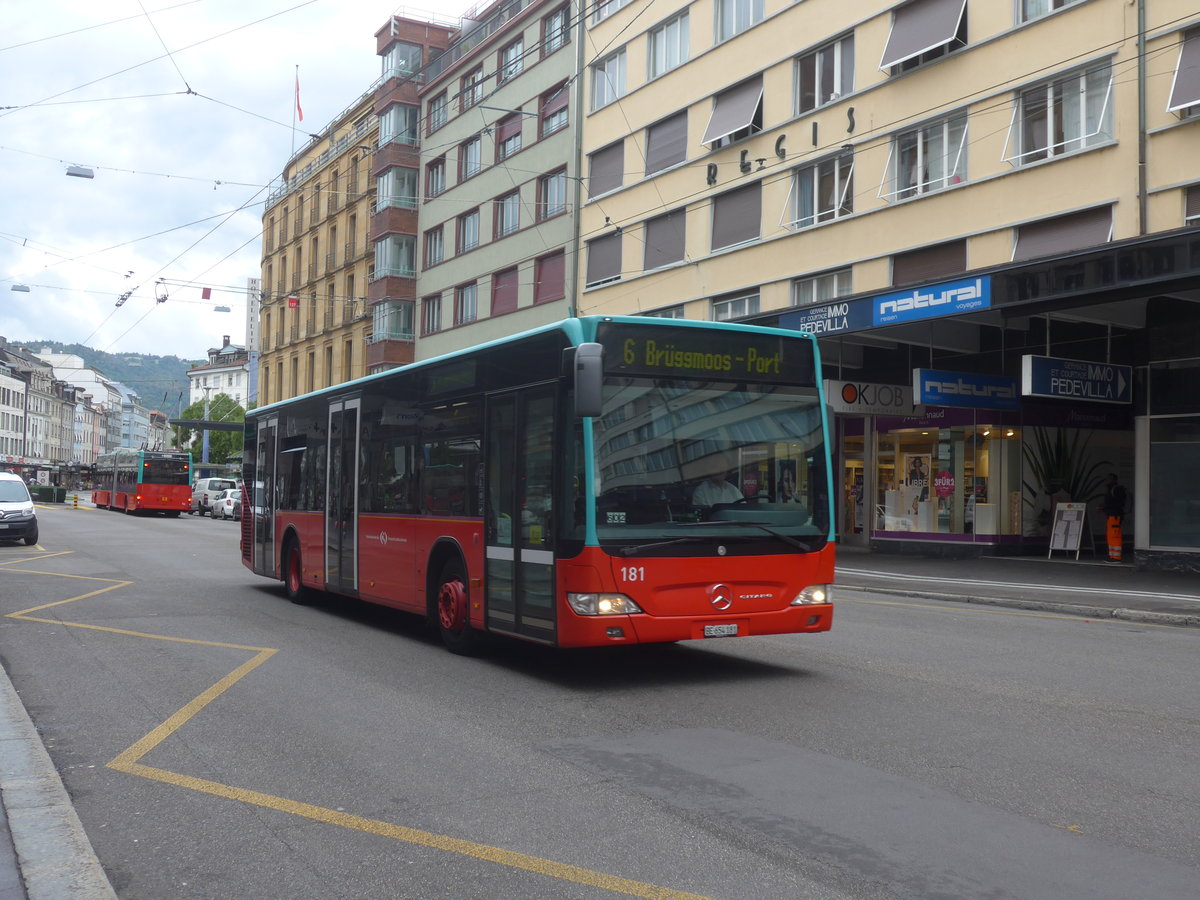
(392, 220)
(390, 350)
(397, 284)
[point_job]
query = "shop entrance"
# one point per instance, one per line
(852, 525)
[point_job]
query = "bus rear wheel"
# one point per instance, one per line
(453, 611)
(293, 574)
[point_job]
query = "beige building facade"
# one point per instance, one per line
(987, 211)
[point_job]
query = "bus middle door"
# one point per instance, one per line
(341, 501)
(519, 449)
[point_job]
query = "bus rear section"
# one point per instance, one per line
(596, 482)
(144, 481)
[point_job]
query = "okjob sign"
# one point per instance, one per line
(944, 299)
(865, 399)
(940, 388)
(1076, 379)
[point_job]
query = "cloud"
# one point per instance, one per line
(183, 146)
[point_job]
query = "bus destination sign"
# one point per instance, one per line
(688, 353)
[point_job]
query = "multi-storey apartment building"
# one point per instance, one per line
(317, 262)
(13, 391)
(989, 212)
(226, 372)
(497, 176)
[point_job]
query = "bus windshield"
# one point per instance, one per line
(681, 463)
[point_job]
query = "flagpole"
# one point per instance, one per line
(295, 106)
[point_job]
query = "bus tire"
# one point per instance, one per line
(293, 574)
(453, 604)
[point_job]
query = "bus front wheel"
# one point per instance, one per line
(293, 574)
(453, 611)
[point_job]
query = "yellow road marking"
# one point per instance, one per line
(128, 762)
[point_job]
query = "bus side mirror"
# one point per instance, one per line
(589, 378)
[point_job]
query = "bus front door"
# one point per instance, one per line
(519, 579)
(341, 501)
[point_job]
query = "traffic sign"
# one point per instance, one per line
(1076, 379)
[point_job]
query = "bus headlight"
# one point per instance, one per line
(602, 604)
(813, 595)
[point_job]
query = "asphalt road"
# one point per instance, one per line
(220, 742)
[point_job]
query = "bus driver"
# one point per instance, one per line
(715, 488)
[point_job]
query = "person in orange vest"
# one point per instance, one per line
(1114, 508)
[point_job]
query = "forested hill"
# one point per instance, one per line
(160, 381)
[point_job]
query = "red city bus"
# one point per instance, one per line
(599, 481)
(139, 481)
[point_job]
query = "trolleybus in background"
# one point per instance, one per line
(547, 486)
(158, 481)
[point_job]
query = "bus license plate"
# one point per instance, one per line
(720, 630)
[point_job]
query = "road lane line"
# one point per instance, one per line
(966, 607)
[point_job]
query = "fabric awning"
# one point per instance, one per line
(1063, 234)
(1186, 89)
(665, 239)
(733, 109)
(607, 169)
(920, 27)
(604, 258)
(666, 143)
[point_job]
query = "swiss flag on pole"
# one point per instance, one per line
(299, 111)
(293, 302)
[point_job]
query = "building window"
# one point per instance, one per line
(825, 75)
(392, 320)
(437, 112)
(1191, 205)
(736, 113)
(549, 277)
(928, 158)
(468, 231)
(670, 312)
(512, 60)
(824, 191)
(395, 255)
(929, 263)
(552, 194)
(504, 291)
(737, 216)
(398, 123)
(734, 306)
(1070, 113)
(472, 88)
(1063, 234)
(470, 157)
(665, 238)
(605, 8)
(735, 16)
(922, 31)
(667, 46)
(431, 314)
(434, 246)
(666, 143)
(507, 214)
(552, 109)
(1035, 9)
(1185, 89)
(508, 137)
(466, 306)
(396, 187)
(555, 30)
(435, 177)
(603, 260)
(606, 169)
(820, 288)
(608, 79)
(401, 60)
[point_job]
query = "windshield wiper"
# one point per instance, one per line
(638, 548)
(807, 548)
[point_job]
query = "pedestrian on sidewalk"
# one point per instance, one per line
(1114, 508)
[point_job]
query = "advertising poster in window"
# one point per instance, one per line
(915, 486)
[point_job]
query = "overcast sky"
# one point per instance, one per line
(180, 178)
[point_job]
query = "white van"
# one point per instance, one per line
(18, 518)
(205, 491)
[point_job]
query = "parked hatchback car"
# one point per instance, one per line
(227, 505)
(205, 491)
(18, 518)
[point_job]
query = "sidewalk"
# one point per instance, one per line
(1087, 587)
(49, 856)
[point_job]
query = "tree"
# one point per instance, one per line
(221, 444)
